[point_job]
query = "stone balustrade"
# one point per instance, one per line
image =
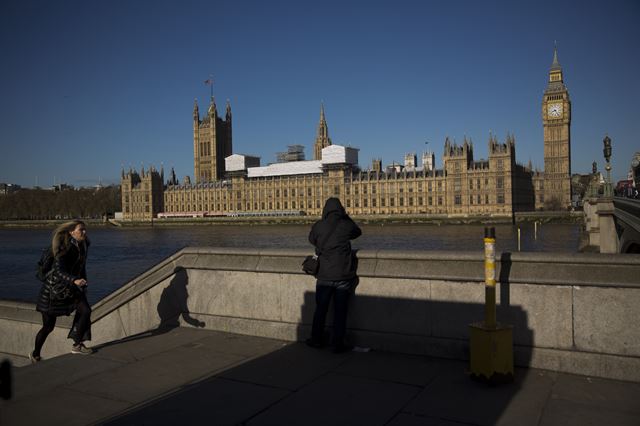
(571, 312)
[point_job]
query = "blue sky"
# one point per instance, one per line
(88, 87)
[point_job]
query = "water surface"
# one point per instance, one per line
(119, 254)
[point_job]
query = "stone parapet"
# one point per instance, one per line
(570, 312)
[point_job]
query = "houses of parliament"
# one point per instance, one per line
(227, 184)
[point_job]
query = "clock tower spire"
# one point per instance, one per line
(556, 122)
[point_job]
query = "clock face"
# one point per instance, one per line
(554, 110)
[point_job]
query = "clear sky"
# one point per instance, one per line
(90, 86)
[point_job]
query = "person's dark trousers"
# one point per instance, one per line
(325, 290)
(81, 328)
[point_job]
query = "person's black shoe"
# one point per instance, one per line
(340, 349)
(313, 343)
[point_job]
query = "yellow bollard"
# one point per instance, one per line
(490, 277)
(491, 345)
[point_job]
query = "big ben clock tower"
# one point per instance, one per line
(556, 121)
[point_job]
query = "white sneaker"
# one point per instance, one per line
(81, 349)
(34, 359)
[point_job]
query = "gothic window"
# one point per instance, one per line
(500, 198)
(457, 200)
(499, 183)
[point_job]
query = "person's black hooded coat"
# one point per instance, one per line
(331, 236)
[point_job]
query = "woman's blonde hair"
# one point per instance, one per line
(60, 240)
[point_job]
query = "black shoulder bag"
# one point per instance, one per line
(310, 264)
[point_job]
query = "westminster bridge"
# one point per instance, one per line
(613, 224)
(209, 335)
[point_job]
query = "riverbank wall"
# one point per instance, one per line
(574, 313)
(520, 217)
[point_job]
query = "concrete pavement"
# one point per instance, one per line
(189, 376)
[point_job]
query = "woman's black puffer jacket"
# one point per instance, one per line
(58, 296)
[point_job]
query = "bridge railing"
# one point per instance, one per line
(571, 312)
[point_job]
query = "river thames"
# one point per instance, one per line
(117, 255)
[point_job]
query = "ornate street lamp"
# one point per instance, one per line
(608, 191)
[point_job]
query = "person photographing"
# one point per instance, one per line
(336, 277)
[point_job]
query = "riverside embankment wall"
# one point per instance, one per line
(575, 313)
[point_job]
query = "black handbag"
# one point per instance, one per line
(311, 263)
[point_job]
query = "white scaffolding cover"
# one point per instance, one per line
(337, 154)
(334, 154)
(289, 168)
(236, 162)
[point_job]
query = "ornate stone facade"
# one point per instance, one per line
(497, 186)
(554, 192)
(142, 194)
(212, 143)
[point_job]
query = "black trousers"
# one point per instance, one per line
(340, 292)
(81, 324)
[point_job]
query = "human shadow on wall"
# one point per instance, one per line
(173, 303)
(171, 306)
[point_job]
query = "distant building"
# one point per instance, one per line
(234, 184)
(142, 194)
(212, 142)
(8, 188)
(554, 192)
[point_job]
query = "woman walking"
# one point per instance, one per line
(65, 288)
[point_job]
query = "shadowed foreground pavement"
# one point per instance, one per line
(189, 376)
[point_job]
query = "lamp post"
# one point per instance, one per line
(608, 192)
(593, 184)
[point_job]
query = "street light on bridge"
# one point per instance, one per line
(608, 192)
